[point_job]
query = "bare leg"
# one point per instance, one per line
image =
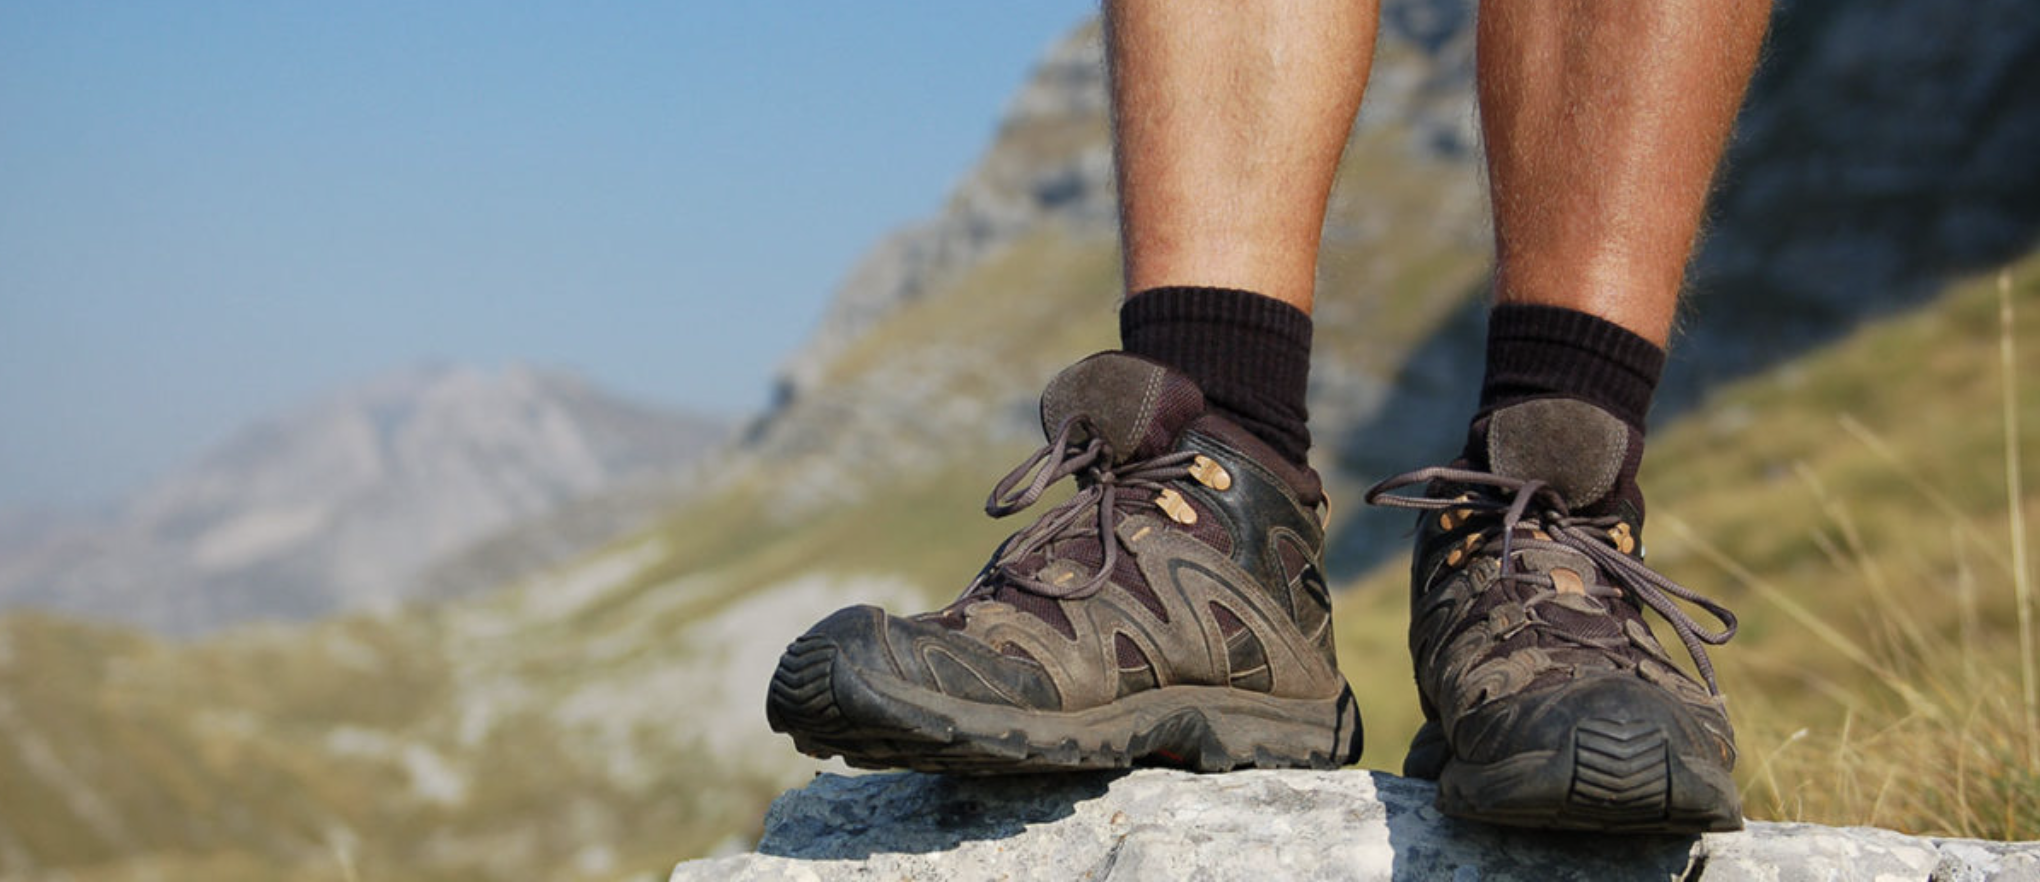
(1230, 118)
(1604, 120)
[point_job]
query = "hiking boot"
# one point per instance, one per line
(1171, 612)
(1548, 703)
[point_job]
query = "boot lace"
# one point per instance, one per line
(1534, 506)
(1104, 490)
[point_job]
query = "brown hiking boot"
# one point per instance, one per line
(1171, 612)
(1548, 702)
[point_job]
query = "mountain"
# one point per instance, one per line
(603, 718)
(344, 503)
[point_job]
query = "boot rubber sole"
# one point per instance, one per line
(1615, 776)
(874, 720)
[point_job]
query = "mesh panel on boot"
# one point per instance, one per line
(1046, 609)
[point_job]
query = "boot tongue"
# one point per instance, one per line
(1572, 446)
(1136, 405)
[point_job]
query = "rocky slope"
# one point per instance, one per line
(1167, 825)
(343, 504)
(1051, 163)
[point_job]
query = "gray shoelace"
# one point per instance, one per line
(1535, 505)
(1103, 487)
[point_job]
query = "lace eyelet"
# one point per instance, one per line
(1173, 504)
(1208, 472)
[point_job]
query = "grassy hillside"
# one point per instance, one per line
(1855, 504)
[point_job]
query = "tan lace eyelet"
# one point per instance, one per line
(1466, 546)
(1625, 541)
(1208, 472)
(1172, 504)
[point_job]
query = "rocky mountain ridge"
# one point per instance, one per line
(1050, 163)
(342, 504)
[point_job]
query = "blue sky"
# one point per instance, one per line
(210, 212)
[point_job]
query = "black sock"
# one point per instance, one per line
(1552, 352)
(1249, 353)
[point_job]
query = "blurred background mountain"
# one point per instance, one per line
(571, 687)
(344, 504)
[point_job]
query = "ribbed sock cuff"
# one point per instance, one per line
(1249, 353)
(1536, 351)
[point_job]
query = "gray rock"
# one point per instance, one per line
(1157, 824)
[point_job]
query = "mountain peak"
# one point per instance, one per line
(343, 502)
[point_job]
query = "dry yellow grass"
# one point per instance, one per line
(1891, 680)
